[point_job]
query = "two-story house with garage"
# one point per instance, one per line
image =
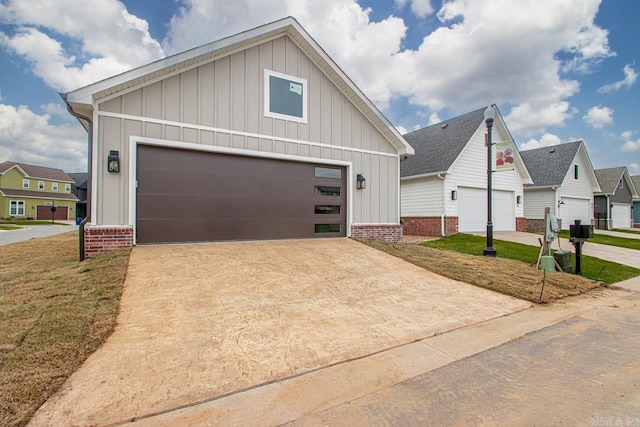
(35, 192)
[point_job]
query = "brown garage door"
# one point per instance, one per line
(192, 196)
(44, 213)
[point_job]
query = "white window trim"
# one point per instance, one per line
(305, 90)
(18, 203)
(25, 183)
(40, 185)
(54, 186)
(67, 188)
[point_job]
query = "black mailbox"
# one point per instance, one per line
(574, 230)
(586, 231)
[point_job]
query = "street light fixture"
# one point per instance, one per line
(489, 115)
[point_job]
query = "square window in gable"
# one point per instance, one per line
(285, 97)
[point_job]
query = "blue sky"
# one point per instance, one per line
(559, 71)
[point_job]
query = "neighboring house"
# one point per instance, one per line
(563, 181)
(29, 192)
(256, 136)
(444, 185)
(636, 202)
(613, 203)
(79, 188)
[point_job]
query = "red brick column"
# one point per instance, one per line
(521, 224)
(386, 232)
(99, 239)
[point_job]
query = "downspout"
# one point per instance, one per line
(89, 173)
(444, 206)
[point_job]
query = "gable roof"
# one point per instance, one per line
(610, 178)
(439, 145)
(636, 182)
(549, 165)
(81, 100)
(37, 194)
(79, 179)
(36, 172)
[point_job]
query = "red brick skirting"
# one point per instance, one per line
(429, 225)
(386, 232)
(99, 240)
(521, 224)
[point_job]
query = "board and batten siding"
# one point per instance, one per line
(421, 197)
(220, 103)
(582, 187)
(470, 169)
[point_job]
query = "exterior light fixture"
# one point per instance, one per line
(519, 200)
(454, 195)
(113, 161)
(489, 115)
(361, 182)
(560, 202)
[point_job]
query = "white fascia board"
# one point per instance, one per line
(425, 175)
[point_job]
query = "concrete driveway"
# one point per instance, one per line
(32, 232)
(630, 257)
(202, 321)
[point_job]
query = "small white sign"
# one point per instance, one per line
(295, 87)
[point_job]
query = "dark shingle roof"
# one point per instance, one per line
(609, 179)
(636, 182)
(549, 165)
(38, 171)
(79, 179)
(439, 145)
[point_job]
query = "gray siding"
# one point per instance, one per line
(208, 103)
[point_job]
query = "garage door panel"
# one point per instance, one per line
(43, 212)
(621, 215)
(186, 196)
(472, 210)
(573, 209)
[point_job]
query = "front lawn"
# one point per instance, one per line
(54, 312)
(625, 230)
(9, 227)
(605, 239)
(591, 267)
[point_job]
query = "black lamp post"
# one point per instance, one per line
(489, 115)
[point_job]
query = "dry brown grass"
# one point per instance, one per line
(502, 275)
(54, 312)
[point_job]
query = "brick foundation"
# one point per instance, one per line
(99, 240)
(429, 225)
(521, 224)
(387, 232)
(537, 225)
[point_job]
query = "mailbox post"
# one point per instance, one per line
(578, 233)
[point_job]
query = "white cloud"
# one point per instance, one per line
(630, 77)
(546, 140)
(71, 43)
(598, 117)
(421, 8)
(634, 168)
(526, 120)
(433, 119)
(629, 143)
(401, 129)
(30, 138)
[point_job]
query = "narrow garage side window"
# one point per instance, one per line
(285, 97)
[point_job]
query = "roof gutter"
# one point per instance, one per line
(89, 173)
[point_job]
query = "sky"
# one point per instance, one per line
(558, 70)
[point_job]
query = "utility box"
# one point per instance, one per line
(563, 258)
(546, 263)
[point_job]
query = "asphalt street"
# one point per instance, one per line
(32, 232)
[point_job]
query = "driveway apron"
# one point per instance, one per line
(205, 320)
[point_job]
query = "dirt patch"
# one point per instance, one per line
(506, 276)
(54, 312)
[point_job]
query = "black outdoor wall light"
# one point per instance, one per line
(361, 183)
(113, 161)
(454, 195)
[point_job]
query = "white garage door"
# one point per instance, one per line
(472, 210)
(575, 209)
(621, 215)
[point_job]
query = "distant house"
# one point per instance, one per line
(636, 202)
(30, 192)
(563, 180)
(444, 185)
(79, 188)
(613, 203)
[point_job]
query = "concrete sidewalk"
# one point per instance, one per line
(630, 257)
(620, 234)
